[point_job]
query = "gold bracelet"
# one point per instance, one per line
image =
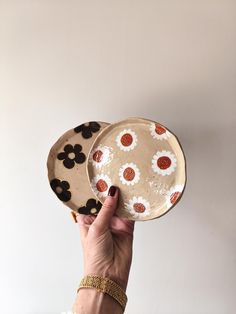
(105, 285)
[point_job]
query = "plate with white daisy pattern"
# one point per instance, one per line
(145, 160)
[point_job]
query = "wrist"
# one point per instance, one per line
(122, 281)
(91, 301)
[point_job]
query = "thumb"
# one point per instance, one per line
(103, 219)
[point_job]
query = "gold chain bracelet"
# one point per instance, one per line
(105, 285)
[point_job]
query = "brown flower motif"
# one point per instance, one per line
(72, 155)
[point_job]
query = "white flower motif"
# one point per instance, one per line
(100, 156)
(173, 194)
(164, 162)
(126, 140)
(100, 185)
(159, 132)
(138, 207)
(129, 174)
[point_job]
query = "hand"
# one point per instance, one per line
(107, 242)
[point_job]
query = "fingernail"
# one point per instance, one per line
(112, 190)
(74, 216)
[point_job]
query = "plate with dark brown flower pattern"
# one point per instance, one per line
(66, 165)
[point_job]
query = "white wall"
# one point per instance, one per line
(67, 62)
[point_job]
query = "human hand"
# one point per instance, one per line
(107, 242)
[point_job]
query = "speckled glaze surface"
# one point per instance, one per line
(145, 160)
(66, 165)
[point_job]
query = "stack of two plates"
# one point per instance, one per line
(142, 157)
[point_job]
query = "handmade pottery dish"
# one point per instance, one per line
(66, 165)
(145, 160)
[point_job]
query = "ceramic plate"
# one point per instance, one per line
(67, 167)
(145, 160)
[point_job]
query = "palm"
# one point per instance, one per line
(107, 242)
(110, 250)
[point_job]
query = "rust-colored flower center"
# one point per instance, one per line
(159, 129)
(101, 185)
(129, 174)
(174, 196)
(139, 207)
(163, 162)
(59, 189)
(97, 156)
(126, 139)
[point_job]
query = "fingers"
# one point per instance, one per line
(81, 219)
(103, 219)
(102, 222)
(124, 225)
(84, 221)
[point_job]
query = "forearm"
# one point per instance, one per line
(107, 249)
(91, 301)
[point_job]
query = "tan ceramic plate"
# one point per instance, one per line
(145, 160)
(67, 167)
